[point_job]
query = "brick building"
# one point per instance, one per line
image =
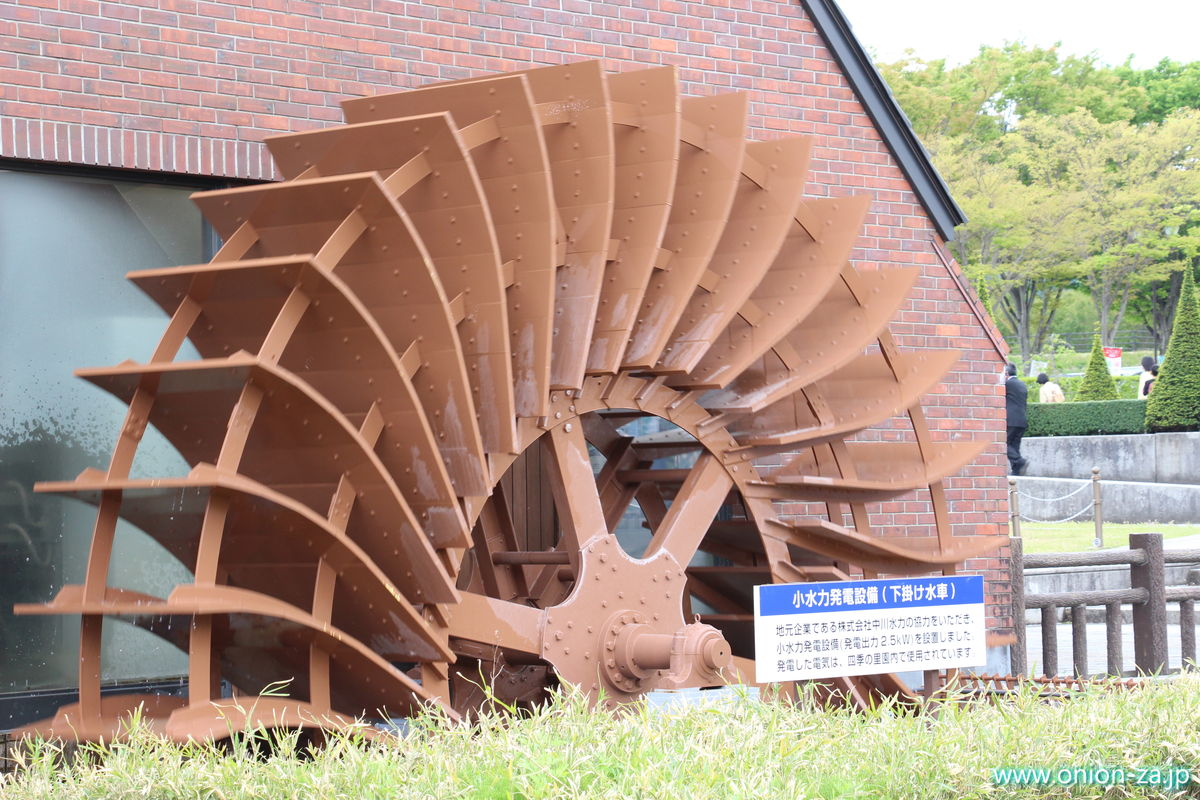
(111, 112)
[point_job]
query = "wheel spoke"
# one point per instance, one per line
(513, 626)
(693, 510)
(494, 534)
(654, 508)
(576, 497)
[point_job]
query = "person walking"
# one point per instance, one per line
(1148, 386)
(1016, 395)
(1149, 373)
(1050, 392)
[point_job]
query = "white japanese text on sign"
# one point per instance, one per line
(824, 630)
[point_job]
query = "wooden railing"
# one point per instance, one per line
(1147, 593)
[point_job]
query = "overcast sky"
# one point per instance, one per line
(955, 29)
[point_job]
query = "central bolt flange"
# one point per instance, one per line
(621, 629)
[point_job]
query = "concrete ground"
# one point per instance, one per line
(1097, 648)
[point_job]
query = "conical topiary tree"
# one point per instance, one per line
(1097, 384)
(1174, 401)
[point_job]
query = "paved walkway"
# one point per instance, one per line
(1097, 647)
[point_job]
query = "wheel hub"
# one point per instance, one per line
(621, 630)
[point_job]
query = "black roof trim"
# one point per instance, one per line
(890, 120)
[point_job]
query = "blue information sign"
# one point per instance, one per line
(842, 628)
(807, 598)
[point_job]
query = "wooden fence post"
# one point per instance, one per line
(1150, 617)
(1049, 641)
(1187, 627)
(1113, 623)
(1017, 657)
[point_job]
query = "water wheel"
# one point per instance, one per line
(441, 362)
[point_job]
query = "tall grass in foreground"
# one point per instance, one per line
(733, 750)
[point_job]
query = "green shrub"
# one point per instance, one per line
(1127, 386)
(1097, 383)
(1174, 403)
(1087, 418)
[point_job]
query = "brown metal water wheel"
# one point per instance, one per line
(407, 347)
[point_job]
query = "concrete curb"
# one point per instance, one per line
(1142, 457)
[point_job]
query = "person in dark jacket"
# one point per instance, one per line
(1016, 395)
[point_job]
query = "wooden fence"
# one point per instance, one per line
(1147, 593)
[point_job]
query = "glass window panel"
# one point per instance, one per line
(65, 245)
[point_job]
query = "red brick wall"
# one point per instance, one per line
(186, 86)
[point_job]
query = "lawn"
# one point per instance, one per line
(1070, 537)
(743, 749)
(1066, 363)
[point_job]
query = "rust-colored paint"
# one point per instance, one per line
(410, 350)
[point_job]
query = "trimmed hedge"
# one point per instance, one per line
(1127, 386)
(1097, 383)
(1174, 403)
(1086, 418)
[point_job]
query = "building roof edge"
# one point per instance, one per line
(890, 120)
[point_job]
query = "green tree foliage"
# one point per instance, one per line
(1009, 245)
(1156, 294)
(1174, 401)
(1073, 175)
(1127, 192)
(983, 97)
(1167, 86)
(1097, 383)
(1076, 313)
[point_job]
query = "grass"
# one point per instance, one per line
(1070, 537)
(1071, 362)
(743, 749)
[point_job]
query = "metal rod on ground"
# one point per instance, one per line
(1014, 507)
(1018, 658)
(1112, 632)
(1150, 617)
(1050, 641)
(1097, 517)
(1079, 659)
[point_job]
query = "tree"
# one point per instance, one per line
(1154, 302)
(1097, 384)
(1015, 246)
(1156, 296)
(1128, 191)
(1174, 401)
(1168, 86)
(1000, 85)
(1072, 174)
